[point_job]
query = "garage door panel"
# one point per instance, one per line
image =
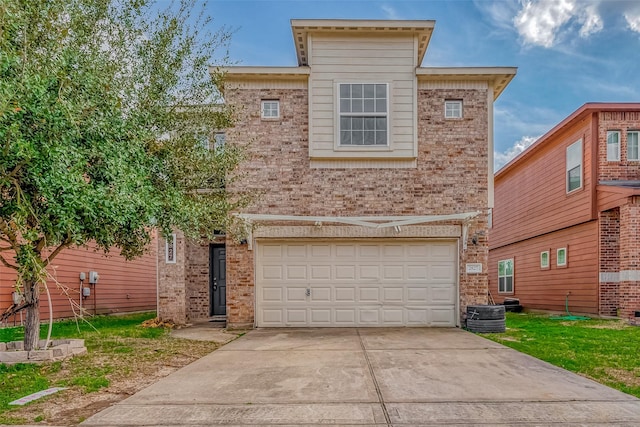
(272, 295)
(345, 272)
(393, 316)
(441, 317)
(393, 294)
(442, 294)
(369, 271)
(368, 316)
(296, 317)
(321, 316)
(320, 272)
(345, 295)
(297, 294)
(417, 295)
(393, 272)
(272, 316)
(321, 294)
(345, 316)
(296, 272)
(369, 294)
(377, 283)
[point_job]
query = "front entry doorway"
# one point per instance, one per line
(217, 280)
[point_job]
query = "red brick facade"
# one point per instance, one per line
(450, 177)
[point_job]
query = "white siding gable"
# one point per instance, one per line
(385, 58)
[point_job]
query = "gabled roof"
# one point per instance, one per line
(576, 116)
(301, 28)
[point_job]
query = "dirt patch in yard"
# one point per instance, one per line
(144, 362)
(630, 378)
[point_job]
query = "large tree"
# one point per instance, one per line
(104, 108)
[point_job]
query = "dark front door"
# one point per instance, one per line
(217, 280)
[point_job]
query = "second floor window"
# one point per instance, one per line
(613, 146)
(453, 109)
(270, 109)
(363, 114)
(632, 145)
(574, 166)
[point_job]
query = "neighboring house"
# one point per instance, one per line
(566, 223)
(372, 179)
(122, 286)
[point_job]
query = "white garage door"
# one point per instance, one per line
(363, 283)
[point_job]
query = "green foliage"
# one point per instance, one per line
(103, 109)
(604, 350)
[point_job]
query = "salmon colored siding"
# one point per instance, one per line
(539, 288)
(533, 200)
(123, 286)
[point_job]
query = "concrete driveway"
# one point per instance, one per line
(370, 377)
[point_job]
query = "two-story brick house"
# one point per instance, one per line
(566, 223)
(372, 178)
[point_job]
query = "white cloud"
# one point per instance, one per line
(590, 20)
(502, 158)
(390, 12)
(633, 20)
(539, 22)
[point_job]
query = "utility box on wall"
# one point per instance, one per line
(93, 277)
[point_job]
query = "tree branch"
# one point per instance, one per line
(56, 251)
(7, 264)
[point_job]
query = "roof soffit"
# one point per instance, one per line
(301, 28)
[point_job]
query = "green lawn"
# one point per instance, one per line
(119, 348)
(607, 351)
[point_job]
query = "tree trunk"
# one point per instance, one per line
(32, 321)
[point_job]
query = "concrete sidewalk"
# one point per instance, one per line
(371, 377)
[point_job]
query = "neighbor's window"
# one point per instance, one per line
(453, 109)
(270, 109)
(505, 276)
(613, 146)
(632, 145)
(170, 249)
(544, 259)
(574, 166)
(561, 259)
(363, 114)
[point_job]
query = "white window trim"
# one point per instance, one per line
(453, 101)
(544, 266)
(569, 167)
(269, 101)
(637, 133)
(566, 256)
(513, 273)
(338, 114)
(615, 158)
(174, 247)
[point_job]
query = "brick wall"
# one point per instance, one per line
(451, 177)
(623, 169)
(197, 280)
(171, 283)
(609, 255)
(629, 291)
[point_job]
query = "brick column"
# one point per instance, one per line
(629, 293)
(240, 285)
(474, 288)
(609, 258)
(172, 303)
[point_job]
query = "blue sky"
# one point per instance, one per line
(568, 52)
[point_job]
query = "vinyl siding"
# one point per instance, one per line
(366, 59)
(531, 199)
(546, 289)
(123, 286)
